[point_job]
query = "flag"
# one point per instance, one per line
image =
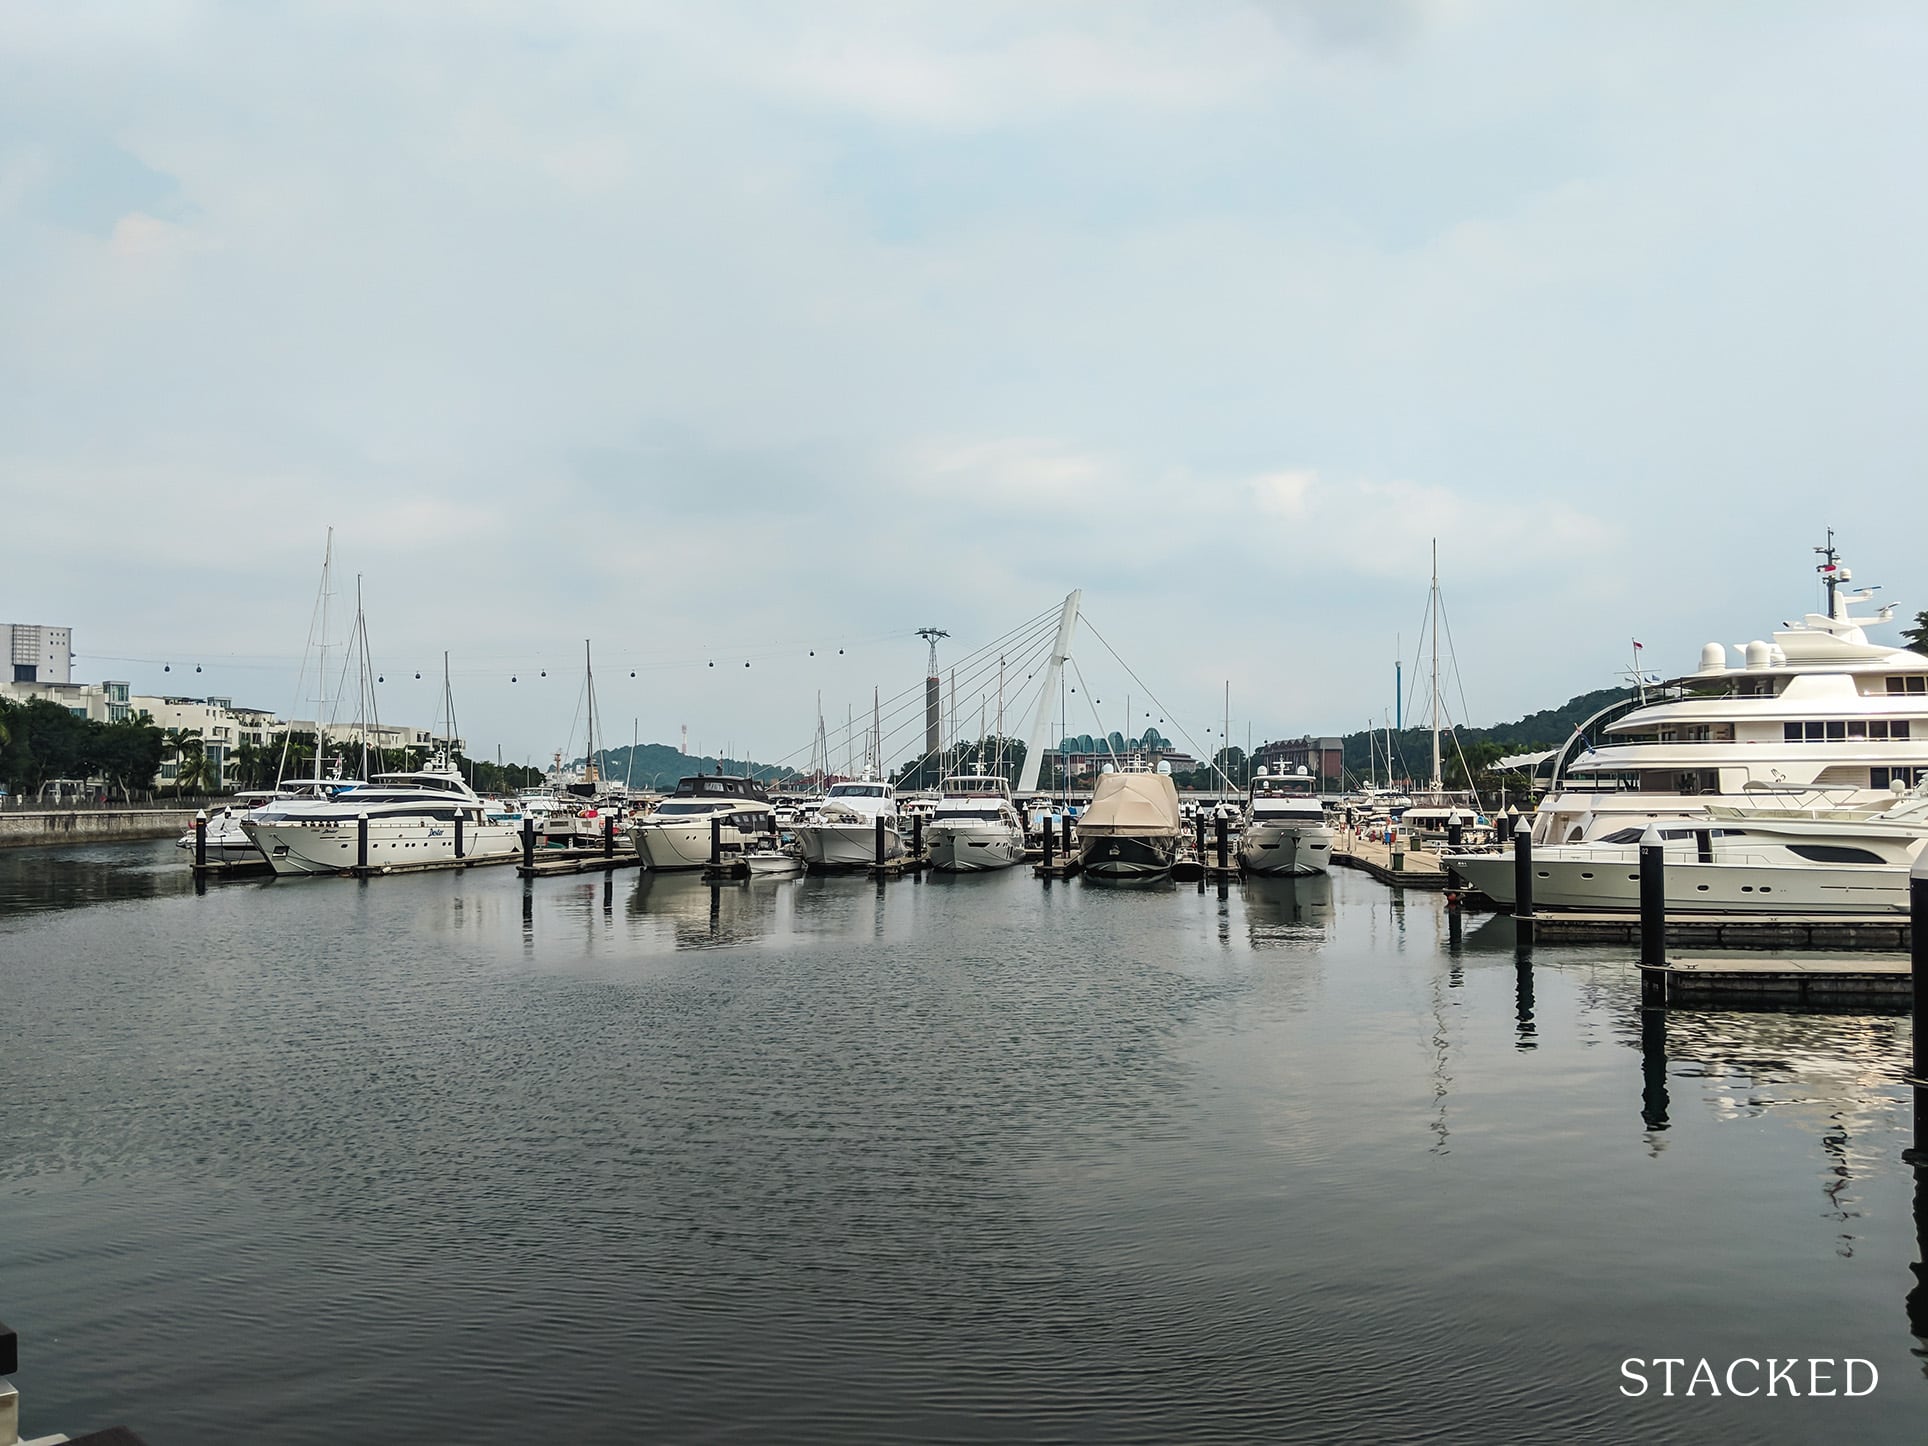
(1636, 645)
(1583, 737)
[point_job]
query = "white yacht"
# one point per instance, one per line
(842, 833)
(412, 819)
(676, 833)
(228, 840)
(1819, 718)
(1733, 861)
(974, 826)
(1284, 830)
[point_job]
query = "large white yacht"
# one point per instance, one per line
(676, 833)
(974, 826)
(412, 819)
(1733, 861)
(1284, 830)
(1818, 719)
(842, 833)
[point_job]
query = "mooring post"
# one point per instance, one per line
(917, 836)
(716, 840)
(609, 836)
(1653, 900)
(1048, 832)
(1918, 963)
(880, 840)
(361, 840)
(458, 834)
(1221, 828)
(1198, 838)
(1523, 882)
(201, 839)
(1455, 831)
(528, 842)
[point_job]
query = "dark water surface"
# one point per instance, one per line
(441, 1159)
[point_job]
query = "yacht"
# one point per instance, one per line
(412, 819)
(676, 833)
(1820, 718)
(974, 826)
(842, 833)
(1132, 827)
(1734, 860)
(228, 840)
(1284, 830)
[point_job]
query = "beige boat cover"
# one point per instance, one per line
(1132, 803)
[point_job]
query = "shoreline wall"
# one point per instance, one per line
(90, 825)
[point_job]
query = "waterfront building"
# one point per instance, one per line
(1322, 758)
(100, 702)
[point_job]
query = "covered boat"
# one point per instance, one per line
(1132, 828)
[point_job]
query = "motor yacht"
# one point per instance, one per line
(1733, 860)
(227, 840)
(974, 826)
(1132, 826)
(1284, 830)
(1820, 718)
(676, 833)
(424, 816)
(842, 833)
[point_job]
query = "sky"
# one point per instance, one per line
(743, 332)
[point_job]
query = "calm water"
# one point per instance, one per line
(441, 1159)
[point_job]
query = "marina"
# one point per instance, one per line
(754, 1131)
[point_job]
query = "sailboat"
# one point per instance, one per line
(842, 832)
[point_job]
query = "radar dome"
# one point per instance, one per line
(1759, 654)
(1164, 766)
(1713, 657)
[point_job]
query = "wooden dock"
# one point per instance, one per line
(1857, 986)
(551, 862)
(1418, 869)
(253, 868)
(1740, 931)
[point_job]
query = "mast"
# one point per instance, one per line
(321, 677)
(1053, 673)
(591, 774)
(629, 767)
(1830, 571)
(363, 692)
(448, 705)
(1432, 622)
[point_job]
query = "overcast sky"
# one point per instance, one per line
(724, 332)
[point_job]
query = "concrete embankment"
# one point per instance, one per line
(91, 825)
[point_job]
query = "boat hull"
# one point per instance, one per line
(1693, 887)
(673, 846)
(846, 845)
(969, 851)
(1273, 849)
(333, 847)
(1127, 856)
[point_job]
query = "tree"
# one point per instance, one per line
(189, 758)
(1917, 636)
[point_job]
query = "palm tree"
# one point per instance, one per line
(1917, 636)
(190, 758)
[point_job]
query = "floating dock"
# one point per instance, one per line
(1856, 986)
(251, 868)
(1741, 931)
(1417, 868)
(551, 862)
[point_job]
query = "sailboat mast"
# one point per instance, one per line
(1432, 623)
(321, 677)
(593, 774)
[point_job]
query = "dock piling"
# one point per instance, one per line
(880, 840)
(200, 842)
(458, 833)
(528, 842)
(361, 840)
(917, 836)
(716, 840)
(1653, 899)
(1523, 881)
(609, 836)
(1918, 966)
(1222, 827)
(1048, 834)
(1198, 838)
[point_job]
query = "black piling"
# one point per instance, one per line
(1048, 835)
(361, 840)
(528, 842)
(1455, 832)
(1198, 837)
(458, 833)
(1523, 882)
(609, 836)
(716, 840)
(1918, 966)
(1222, 828)
(880, 840)
(917, 836)
(200, 857)
(1653, 903)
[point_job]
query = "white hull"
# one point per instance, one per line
(846, 845)
(332, 847)
(966, 851)
(1285, 848)
(773, 865)
(682, 845)
(1692, 886)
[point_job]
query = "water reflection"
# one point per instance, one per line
(1287, 913)
(36, 879)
